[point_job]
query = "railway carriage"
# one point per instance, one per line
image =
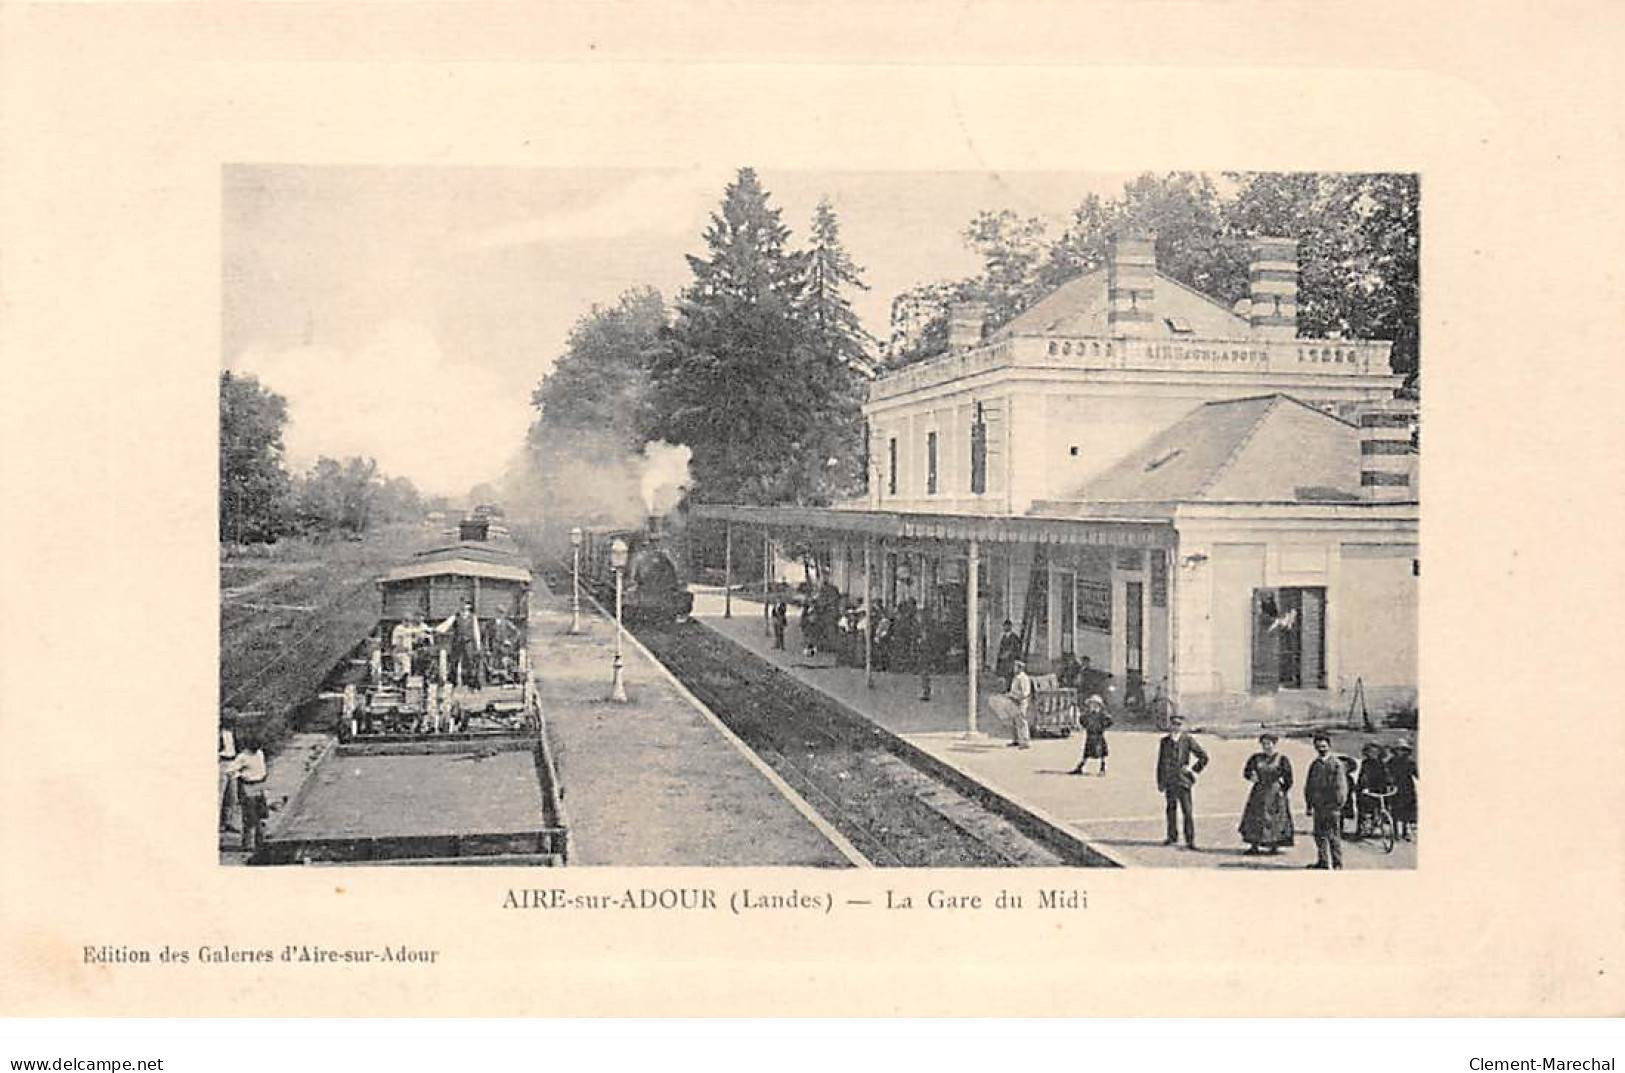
(436, 681)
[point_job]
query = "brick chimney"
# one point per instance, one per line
(1388, 462)
(965, 323)
(1131, 276)
(1272, 287)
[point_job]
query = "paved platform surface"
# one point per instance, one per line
(653, 782)
(1121, 813)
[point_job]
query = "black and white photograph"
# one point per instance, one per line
(769, 517)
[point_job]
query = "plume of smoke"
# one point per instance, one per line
(665, 476)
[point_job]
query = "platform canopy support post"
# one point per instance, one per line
(972, 634)
(728, 570)
(868, 614)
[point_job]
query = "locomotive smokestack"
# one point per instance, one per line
(653, 527)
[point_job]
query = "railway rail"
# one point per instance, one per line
(895, 814)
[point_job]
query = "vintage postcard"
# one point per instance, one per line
(746, 526)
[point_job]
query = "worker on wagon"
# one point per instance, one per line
(465, 645)
(404, 639)
(504, 643)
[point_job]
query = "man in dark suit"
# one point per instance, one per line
(1325, 790)
(1179, 759)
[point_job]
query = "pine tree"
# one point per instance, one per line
(842, 347)
(741, 379)
(828, 269)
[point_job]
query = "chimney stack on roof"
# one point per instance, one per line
(1131, 274)
(965, 323)
(1272, 287)
(1388, 460)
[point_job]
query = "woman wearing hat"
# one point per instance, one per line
(1095, 721)
(1266, 822)
(1402, 772)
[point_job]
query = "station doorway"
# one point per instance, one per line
(1289, 639)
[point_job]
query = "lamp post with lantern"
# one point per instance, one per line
(575, 579)
(617, 558)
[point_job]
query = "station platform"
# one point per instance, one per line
(655, 781)
(1120, 815)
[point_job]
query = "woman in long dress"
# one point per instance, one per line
(1266, 822)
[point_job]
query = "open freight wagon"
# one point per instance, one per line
(443, 754)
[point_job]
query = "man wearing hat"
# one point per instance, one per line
(1021, 696)
(1325, 790)
(1179, 760)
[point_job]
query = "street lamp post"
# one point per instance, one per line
(617, 556)
(575, 579)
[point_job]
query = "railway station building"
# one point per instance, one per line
(1189, 494)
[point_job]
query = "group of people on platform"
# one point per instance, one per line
(906, 637)
(1337, 788)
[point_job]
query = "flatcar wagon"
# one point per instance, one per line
(443, 754)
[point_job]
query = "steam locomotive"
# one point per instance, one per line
(652, 591)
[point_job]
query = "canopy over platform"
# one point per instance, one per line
(1144, 526)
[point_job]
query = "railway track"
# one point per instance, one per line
(894, 813)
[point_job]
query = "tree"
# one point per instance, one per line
(1013, 251)
(338, 496)
(601, 381)
(253, 483)
(1359, 243)
(842, 348)
(1195, 244)
(741, 378)
(827, 270)
(594, 413)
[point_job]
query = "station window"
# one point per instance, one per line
(931, 463)
(891, 466)
(978, 452)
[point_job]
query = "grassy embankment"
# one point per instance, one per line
(293, 611)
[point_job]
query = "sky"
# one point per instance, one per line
(408, 313)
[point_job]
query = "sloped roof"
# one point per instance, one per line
(1078, 307)
(1269, 448)
(465, 558)
(455, 567)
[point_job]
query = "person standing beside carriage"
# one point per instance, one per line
(504, 644)
(465, 646)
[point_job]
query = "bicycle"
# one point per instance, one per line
(1379, 821)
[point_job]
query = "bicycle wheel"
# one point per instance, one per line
(1385, 830)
